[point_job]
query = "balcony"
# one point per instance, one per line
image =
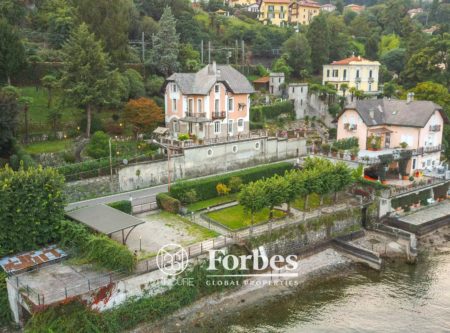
(427, 150)
(219, 115)
(371, 80)
(358, 80)
(350, 127)
(435, 128)
(195, 117)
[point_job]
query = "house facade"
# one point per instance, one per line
(356, 72)
(298, 93)
(274, 12)
(212, 103)
(303, 12)
(276, 83)
(384, 126)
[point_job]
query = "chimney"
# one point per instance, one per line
(212, 68)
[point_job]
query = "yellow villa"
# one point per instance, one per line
(355, 71)
(275, 12)
(302, 12)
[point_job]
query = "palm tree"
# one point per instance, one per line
(343, 88)
(352, 91)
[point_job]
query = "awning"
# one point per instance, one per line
(381, 130)
(105, 219)
(161, 130)
(264, 79)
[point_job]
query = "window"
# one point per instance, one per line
(301, 90)
(190, 105)
(301, 102)
(174, 88)
(235, 149)
(230, 127)
(328, 73)
(190, 128)
(199, 106)
(216, 127)
(217, 88)
(293, 90)
(176, 126)
(357, 73)
(279, 80)
(414, 164)
(335, 72)
(210, 152)
(257, 145)
(200, 127)
(345, 74)
(370, 87)
(230, 104)
(240, 124)
(370, 73)
(216, 105)
(174, 105)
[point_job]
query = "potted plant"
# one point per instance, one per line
(354, 153)
(411, 178)
(334, 151)
(325, 147)
(404, 145)
(341, 153)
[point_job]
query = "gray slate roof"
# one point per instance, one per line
(395, 112)
(200, 83)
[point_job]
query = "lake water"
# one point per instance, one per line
(401, 298)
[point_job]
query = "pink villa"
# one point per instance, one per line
(212, 103)
(385, 127)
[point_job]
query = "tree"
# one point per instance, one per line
(12, 51)
(54, 118)
(143, 114)
(86, 78)
(281, 66)
(253, 198)
(98, 146)
(319, 40)
(431, 91)
(276, 189)
(343, 88)
(298, 54)
(166, 45)
(9, 111)
(295, 187)
(394, 59)
(13, 11)
(110, 22)
(342, 176)
(389, 89)
(61, 21)
(135, 83)
(388, 43)
(189, 58)
(49, 82)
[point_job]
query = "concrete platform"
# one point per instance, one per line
(432, 213)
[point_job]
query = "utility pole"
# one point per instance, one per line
(202, 51)
(110, 160)
(243, 52)
(143, 53)
(209, 52)
(236, 53)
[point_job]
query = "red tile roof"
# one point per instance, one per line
(346, 61)
(264, 79)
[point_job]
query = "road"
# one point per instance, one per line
(146, 192)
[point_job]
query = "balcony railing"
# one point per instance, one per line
(435, 128)
(428, 149)
(196, 114)
(219, 115)
(371, 79)
(358, 80)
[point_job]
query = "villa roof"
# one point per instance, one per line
(378, 112)
(200, 83)
(352, 59)
(264, 79)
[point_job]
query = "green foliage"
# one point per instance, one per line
(411, 199)
(319, 40)
(153, 85)
(281, 66)
(32, 206)
(8, 120)
(388, 43)
(98, 249)
(124, 206)
(345, 144)
(273, 111)
(136, 83)
(166, 45)
(394, 59)
(206, 187)
(235, 184)
(298, 54)
(253, 198)
(5, 312)
(12, 51)
(168, 203)
(98, 147)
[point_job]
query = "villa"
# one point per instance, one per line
(355, 72)
(388, 127)
(212, 103)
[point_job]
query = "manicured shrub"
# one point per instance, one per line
(31, 207)
(167, 203)
(5, 312)
(123, 206)
(235, 184)
(222, 189)
(345, 144)
(264, 112)
(206, 187)
(98, 147)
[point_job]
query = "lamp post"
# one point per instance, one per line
(110, 160)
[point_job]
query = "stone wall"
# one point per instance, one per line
(210, 159)
(91, 188)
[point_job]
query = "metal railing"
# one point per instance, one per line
(219, 115)
(414, 186)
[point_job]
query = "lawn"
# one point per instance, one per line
(48, 147)
(196, 206)
(236, 218)
(313, 202)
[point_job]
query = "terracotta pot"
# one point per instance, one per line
(405, 177)
(353, 157)
(384, 182)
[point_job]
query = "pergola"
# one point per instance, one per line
(106, 220)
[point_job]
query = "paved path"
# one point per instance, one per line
(146, 192)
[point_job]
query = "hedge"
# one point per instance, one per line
(5, 312)
(167, 203)
(99, 249)
(263, 112)
(205, 188)
(123, 206)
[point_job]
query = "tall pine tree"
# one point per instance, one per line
(166, 45)
(12, 51)
(319, 40)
